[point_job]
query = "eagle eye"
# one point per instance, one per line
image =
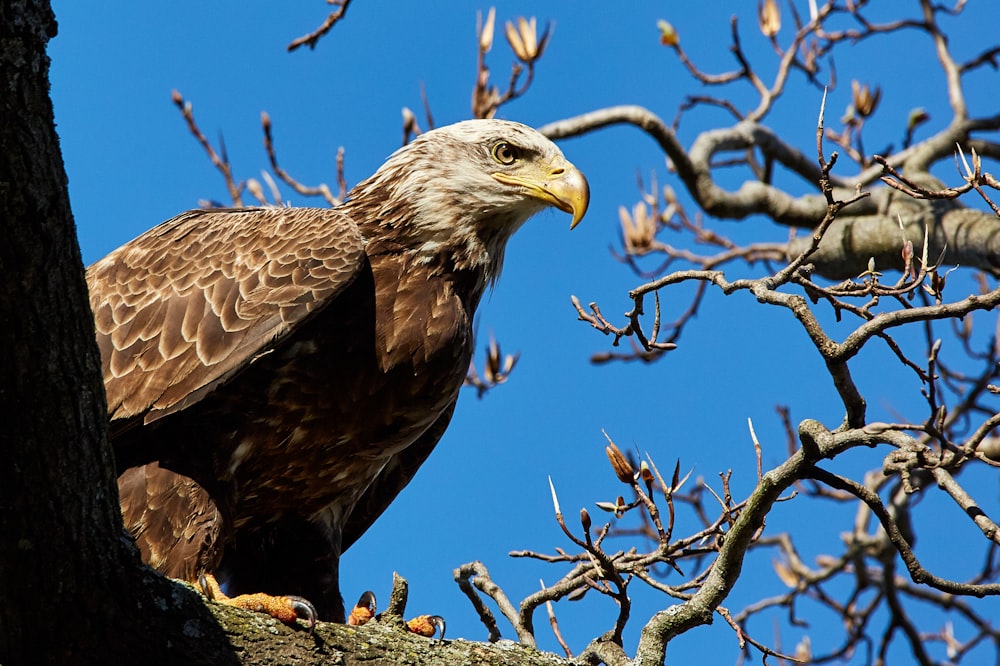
(505, 153)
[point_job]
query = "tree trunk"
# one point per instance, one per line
(72, 589)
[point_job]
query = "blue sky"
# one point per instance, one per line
(131, 164)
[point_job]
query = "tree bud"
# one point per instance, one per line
(623, 469)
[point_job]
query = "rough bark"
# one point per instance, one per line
(53, 435)
(262, 641)
(956, 235)
(72, 590)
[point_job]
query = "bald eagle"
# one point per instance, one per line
(275, 376)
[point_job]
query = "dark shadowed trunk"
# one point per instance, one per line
(57, 541)
(71, 588)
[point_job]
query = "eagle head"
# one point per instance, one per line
(456, 194)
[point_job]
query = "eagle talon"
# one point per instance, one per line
(427, 625)
(286, 609)
(210, 587)
(423, 625)
(363, 611)
(304, 610)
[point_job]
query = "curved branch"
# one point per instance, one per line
(972, 509)
(869, 228)
(917, 572)
(331, 20)
(638, 116)
(694, 167)
(475, 574)
(854, 342)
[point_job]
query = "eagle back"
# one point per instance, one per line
(184, 306)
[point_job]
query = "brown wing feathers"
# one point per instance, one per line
(152, 497)
(183, 306)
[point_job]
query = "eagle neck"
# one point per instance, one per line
(466, 248)
(442, 269)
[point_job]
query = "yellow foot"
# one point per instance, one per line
(363, 611)
(286, 609)
(427, 625)
(424, 625)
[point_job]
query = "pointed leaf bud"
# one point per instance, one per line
(647, 476)
(803, 651)
(864, 99)
(785, 573)
(917, 117)
(610, 507)
(585, 520)
(769, 18)
(409, 120)
(644, 471)
(907, 253)
(256, 190)
(668, 35)
(555, 498)
(623, 469)
(515, 41)
(529, 35)
(510, 360)
(486, 31)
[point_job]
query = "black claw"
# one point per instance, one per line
(438, 622)
(367, 600)
(304, 610)
(363, 611)
(205, 589)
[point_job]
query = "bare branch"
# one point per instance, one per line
(220, 163)
(331, 20)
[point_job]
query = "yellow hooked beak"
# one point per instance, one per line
(558, 184)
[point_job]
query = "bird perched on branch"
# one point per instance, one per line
(275, 376)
